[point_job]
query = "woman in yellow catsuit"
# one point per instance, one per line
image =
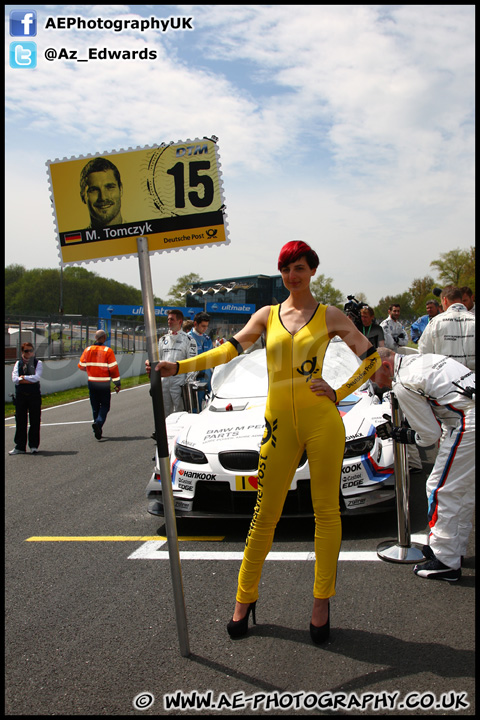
(297, 418)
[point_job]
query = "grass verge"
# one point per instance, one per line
(66, 396)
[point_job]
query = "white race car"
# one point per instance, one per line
(214, 454)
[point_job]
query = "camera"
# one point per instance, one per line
(352, 308)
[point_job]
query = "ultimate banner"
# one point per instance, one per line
(171, 194)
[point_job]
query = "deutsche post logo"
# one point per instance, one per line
(308, 369)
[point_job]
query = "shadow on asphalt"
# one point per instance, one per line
(54, 453)
(398, 658)
(123, 438)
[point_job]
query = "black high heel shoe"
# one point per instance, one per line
(237, 628)
(321, 634)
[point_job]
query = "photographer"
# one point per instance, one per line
(395, 334)
(370, 328)
(352, 310)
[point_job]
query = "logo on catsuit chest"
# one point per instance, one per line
(308, 369)
(269, 432)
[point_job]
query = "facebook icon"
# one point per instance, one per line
(23, 23)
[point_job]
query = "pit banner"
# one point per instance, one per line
(171, 194)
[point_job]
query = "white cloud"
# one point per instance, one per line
(350, 124)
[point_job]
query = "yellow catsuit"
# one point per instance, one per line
(296, 419)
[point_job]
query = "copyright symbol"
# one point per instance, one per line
(50, 54)
(143, 701)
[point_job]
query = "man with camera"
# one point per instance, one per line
(393, 330)
(370, 328)
(437, 397)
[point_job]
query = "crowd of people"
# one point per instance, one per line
(435, 388)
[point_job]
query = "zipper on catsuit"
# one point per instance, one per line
(294, 413)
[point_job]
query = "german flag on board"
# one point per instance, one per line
(72, 238)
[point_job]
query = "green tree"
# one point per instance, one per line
(37, 292)
(420, 291)
(361, 297)
(185, 282)
(456, 267)
(13, 274)
(324, 292)
(407, 311)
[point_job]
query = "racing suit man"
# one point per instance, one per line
(453, 332)
(393, 330)
(175, 346)
(436, 394)
(204, 343)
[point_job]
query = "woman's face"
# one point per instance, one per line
(297, 274)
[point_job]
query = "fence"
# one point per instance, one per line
(62, 337)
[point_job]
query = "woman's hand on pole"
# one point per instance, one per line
(166, 369)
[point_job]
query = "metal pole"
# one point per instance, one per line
(402, 550)
(162, 454)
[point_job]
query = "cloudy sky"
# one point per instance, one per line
(348, 126)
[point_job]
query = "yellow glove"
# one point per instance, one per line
(371, 363)
(216, 356)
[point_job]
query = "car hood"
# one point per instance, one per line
(242, 429)
(246, 375)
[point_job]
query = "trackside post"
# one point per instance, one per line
(402, 551)
(163, 461)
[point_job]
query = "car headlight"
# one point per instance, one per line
(360, 446)
(188, 454)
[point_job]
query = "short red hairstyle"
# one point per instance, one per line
(296, 249)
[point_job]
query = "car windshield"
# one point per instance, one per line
(246, 375)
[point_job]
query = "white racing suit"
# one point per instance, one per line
(439, 411)
(394, 333)
(453, 334)
(175, 347)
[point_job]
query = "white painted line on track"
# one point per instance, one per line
(74, 402)
(150, 550)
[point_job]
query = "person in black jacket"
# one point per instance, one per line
(26, 375)
(370, 328)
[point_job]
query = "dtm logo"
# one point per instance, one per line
(23, 23)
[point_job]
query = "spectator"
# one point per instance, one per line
(393, 330)
(201, 322)
(452, 333)
(468, 298)
(433, 309)
(370, 328)
(436, 396)
(187, 325)
(100, 364)
(26, 375)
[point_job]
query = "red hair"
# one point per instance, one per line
(296, 249)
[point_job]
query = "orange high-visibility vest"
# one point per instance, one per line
(100, 364)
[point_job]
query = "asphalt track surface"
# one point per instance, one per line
(91, 629)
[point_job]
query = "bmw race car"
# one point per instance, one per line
(214, 454)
